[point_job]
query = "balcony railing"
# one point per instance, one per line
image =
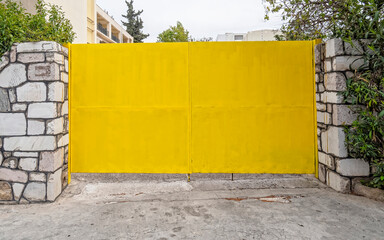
(116, 39)
(102, 29)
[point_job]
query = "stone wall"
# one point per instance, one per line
(33, 122)
(335, 62)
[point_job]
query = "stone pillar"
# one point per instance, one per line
(335, 62)
(33, 122)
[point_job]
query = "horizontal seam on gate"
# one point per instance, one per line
(134, 108)
(186, 107)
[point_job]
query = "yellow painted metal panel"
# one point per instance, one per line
(252, 107)
(243, 107)
(130, 108)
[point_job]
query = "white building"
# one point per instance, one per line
(259, 35)
(90, 23)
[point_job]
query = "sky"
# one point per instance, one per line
(202, 18)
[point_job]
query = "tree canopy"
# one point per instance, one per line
(314, 19)
(134, 23)
(174, 34)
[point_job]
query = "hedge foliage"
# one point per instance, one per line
(48, 24)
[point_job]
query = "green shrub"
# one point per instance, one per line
(350, 20)
(48, 24)
(365, 90)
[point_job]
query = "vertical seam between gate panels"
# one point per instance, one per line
(189, 114)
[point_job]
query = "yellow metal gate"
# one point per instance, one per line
(244, 107)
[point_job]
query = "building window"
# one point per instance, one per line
(102, 29)
(239, 37)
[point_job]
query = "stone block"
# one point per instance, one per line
(7, 154)
(353, 167)
(64, 178)
(42, 110)
(36, 127)
(12, 76)
(324, 117)
(66, 158)
(1, 158)
(44, 72)
(318, 53)
(54, 185)
(64, 50)
(4, 62)
(19, 107)
(12, 95)
(322, 173)
(37, 177)
(5, 192)
(328, 66)
(28, 164)
(5, 105)
(32, 92)
(31, 57)
(55, 126)
(11, 162)
(349, 74)
(64, 77)
(51, 161)
(12, 54)
(55, 57)
(12, 175)
(26, 154)
(332, 97)
(321, 87)
(354, 49)
(30, 143)
(64, 108)
(321, 107)
(35, 191)
(24, 201)
(335, 81)
(66, 123)
(66, 65)
(343, 115)
(12, 124)
(327, 160)
(334, 47)
(56, 92)
(43, 46)
(17, 190)
(333, 142)
(63, 140)
(345, 63)
(338, 183)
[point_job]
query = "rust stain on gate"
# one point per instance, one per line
(229, 107)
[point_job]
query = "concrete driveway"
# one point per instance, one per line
(122, 206)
